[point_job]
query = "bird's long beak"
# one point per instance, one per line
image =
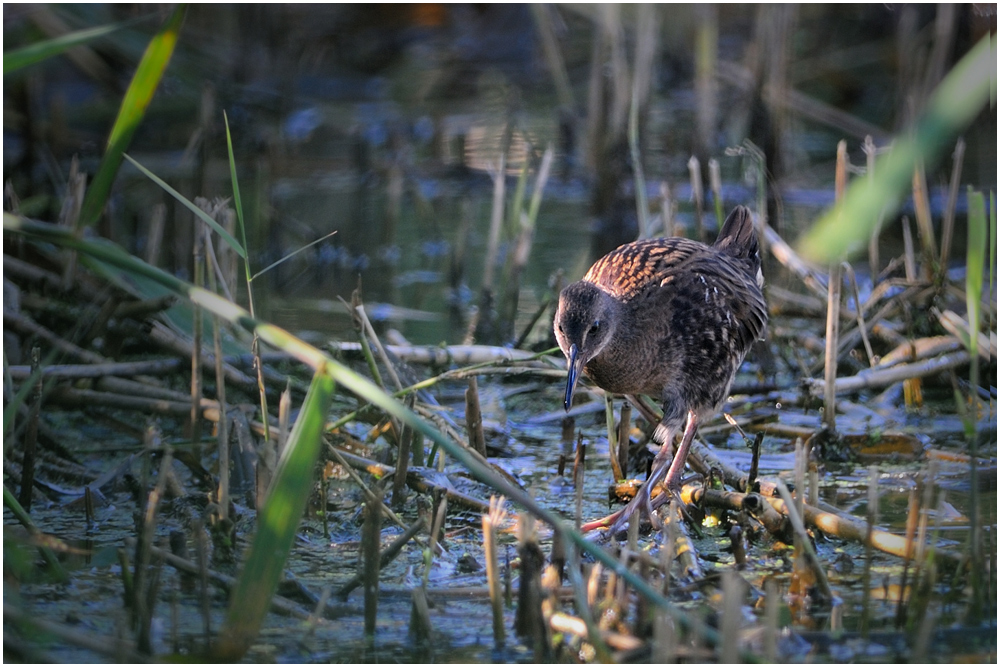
(574, 366)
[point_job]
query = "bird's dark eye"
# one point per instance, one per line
(594, 327)
(560, 328)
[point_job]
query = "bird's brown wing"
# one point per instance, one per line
(631, 269)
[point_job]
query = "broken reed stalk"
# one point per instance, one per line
(220, 384)
(732, 592)
(666, 209)
(800, 530)
(528, 620)
(491, 522)
(402, 460)
(31, 432)
(833, 308)
(697, 193)
(474, 418)
(371, 532)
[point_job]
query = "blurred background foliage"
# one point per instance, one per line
(382, 122)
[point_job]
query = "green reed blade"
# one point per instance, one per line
(140, 92)
(962, 94)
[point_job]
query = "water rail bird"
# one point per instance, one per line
(671, 318)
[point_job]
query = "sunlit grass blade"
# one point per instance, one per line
(962, 94)
(278, 523)
(140, 92)
(36, 53)
(208, 220)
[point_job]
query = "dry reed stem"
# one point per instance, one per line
(402, 460)
(697, 194)
(474, 418)
(732, 592)
(31, 435)
(800, 530)
(491, 523)
(873, 378)
(371, 532)
(925, 226)
(666, 210)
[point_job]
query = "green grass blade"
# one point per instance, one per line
(962, 94)
(974, 266)
(278, 523)
(36, 53)
(237, 200)
(223, 234)
(140, 92)
(993, 243)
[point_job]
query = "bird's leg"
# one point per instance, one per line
(658, 469)
(673, 479)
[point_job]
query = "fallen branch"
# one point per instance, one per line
(830, 524)
(442, 356)
(883, 377)
(119, 369)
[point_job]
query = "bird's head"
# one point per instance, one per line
(584, 324)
